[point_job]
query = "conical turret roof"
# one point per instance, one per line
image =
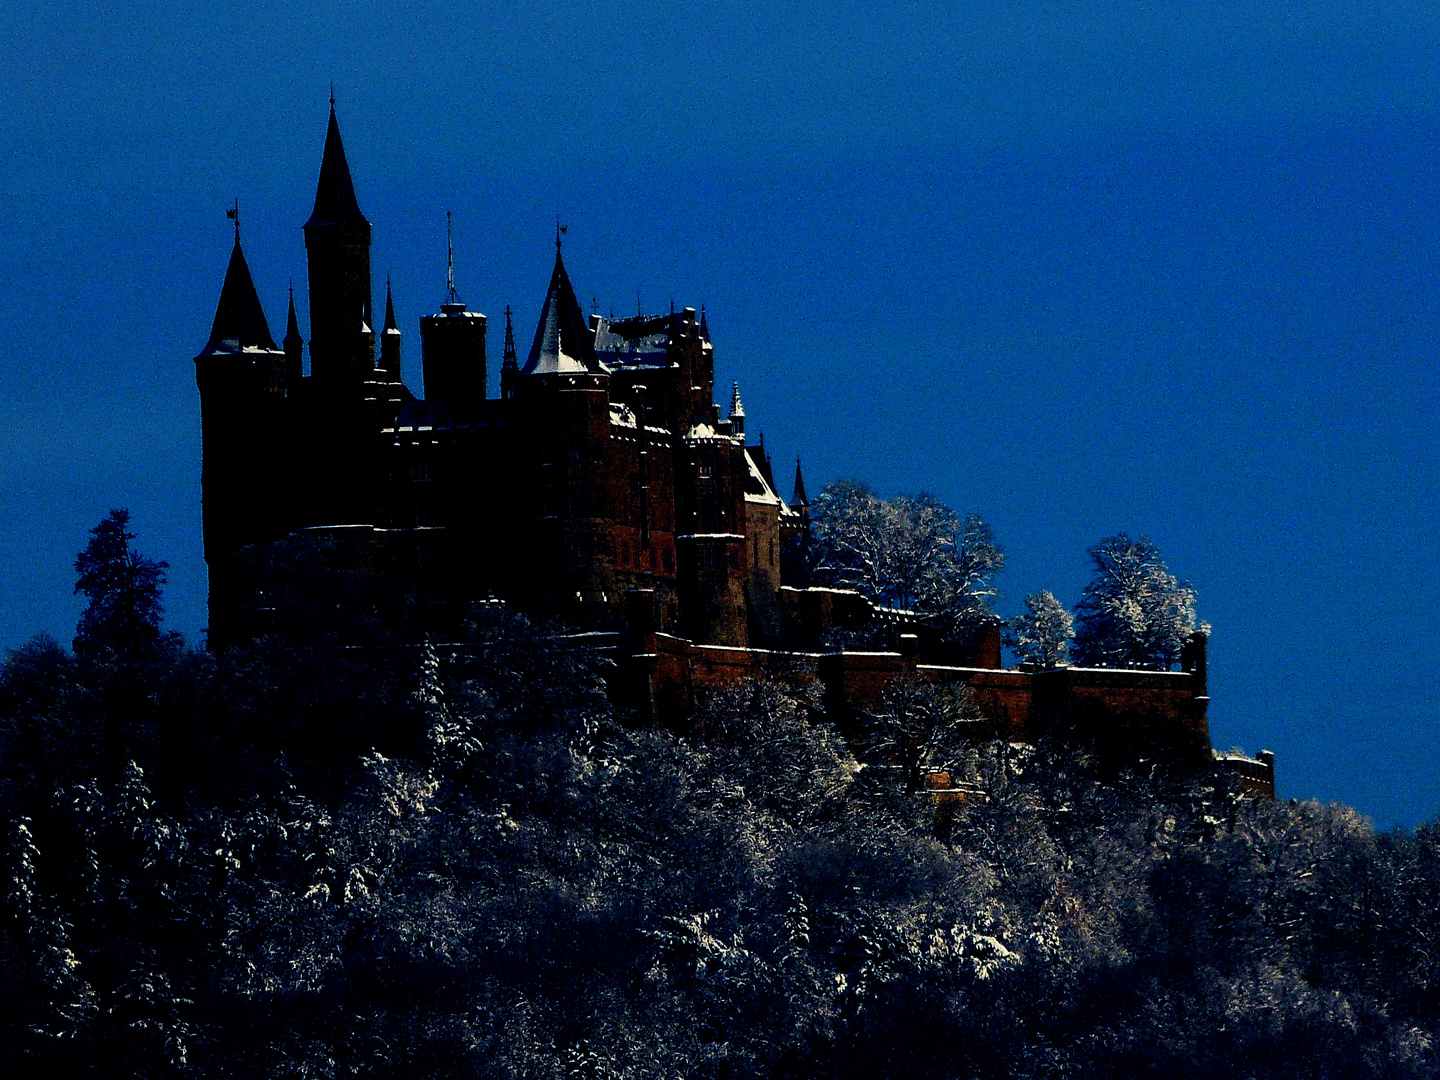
(292, 324)
(335, 193)
(799, 498)
(563, 340)
(390, 323)
(239, 320)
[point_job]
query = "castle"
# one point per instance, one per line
(615, 467)
(603, 485)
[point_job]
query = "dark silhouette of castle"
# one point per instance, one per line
(604, 467)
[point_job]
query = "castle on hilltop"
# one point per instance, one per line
(605, 465)
(603, 485)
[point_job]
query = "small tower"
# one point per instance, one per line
(241, 376)
(294, 351)
(510, 367)
(390, 340)
(798, 502)
(737, 408)
(452, 347)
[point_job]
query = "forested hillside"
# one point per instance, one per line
(404, 861)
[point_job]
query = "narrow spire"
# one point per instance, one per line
(234, 215)
(390, 323)
(451, 296)
(736, 407)
(704, 326)
(292, 324)
(510, 362)
(335, 191)
(799, 498)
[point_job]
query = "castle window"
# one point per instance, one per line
(419, 468)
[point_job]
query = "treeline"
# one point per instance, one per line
(335, 862)
(916, 553)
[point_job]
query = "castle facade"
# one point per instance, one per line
(604, 466)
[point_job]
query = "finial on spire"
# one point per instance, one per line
(233, 213)
(332, 94)
(450, 295)
(559, 230)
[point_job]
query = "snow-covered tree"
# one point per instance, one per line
(1134, 613)
(912, 551)
(1042, 635)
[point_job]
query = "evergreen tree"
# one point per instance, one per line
(124, 612)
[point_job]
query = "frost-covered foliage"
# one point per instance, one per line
(477, 867)
(1134, 613)
(911, 551)
(1042, 635)
(377, 863)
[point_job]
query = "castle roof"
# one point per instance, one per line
(563, 341)
(239, 320)
(335, 193)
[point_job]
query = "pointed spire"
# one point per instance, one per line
(239, 319)
(704, 326)
(335, 192)
(390, 323)
(292, 324)
(451, 296)
(737, 408)
(563, 341)
(510, 362)
(799, 498)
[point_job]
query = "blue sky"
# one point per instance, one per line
(1164, 268)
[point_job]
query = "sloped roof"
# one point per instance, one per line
(239, 320)
(563, 341)
(335, 193)
(757, 486)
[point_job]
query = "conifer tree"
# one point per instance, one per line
(124, 612)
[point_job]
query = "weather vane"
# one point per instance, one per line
(233, 213)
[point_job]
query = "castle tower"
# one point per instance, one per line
(337, 243)
(242, 376)
(390, 340)
(737, 409)
(452, 348)
(561, 404)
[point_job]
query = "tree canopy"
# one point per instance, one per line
(912, 551)
(1134, 612)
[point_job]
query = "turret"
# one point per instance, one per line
(337, 243)
(452, 348)
(510, 368)
(737, 410)
(294, 350)
(798, 502)
(241, 375)
(390, 340)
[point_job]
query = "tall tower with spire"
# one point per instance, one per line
(452, 347)
(242, 378)
(337, 243)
